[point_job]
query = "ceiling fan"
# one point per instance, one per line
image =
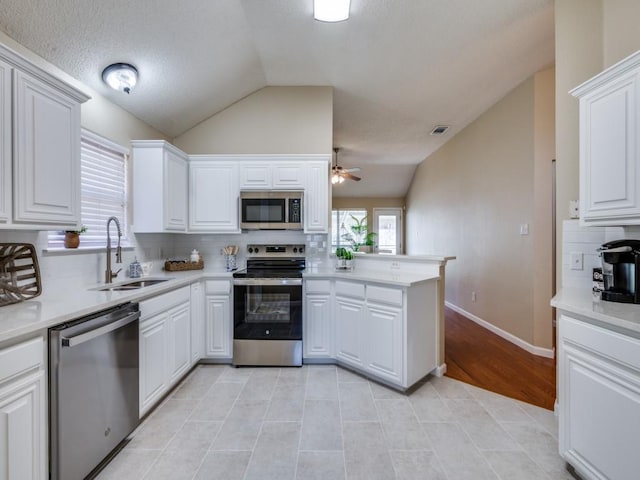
(339, 174)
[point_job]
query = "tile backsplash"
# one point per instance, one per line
(81, 268)
(585, 241)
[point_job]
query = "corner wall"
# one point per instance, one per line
(469, 199)
(272, 120)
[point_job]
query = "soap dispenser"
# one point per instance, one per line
(135, 269)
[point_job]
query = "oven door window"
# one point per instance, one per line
(263, 210)
(268, 312)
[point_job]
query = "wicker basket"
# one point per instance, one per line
(19, 273)
(179, 266)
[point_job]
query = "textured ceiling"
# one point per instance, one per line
(398, 67)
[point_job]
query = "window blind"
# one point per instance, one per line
(103, 181)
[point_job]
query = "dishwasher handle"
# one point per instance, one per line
(110, 327)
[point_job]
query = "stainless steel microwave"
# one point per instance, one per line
(271, 210)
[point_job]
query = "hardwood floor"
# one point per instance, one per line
(479, 357)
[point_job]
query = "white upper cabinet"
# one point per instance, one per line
(159, 187)
(5, 142)
(316, 199)
(255, 176)
(288, 175)
(39, 147)
(271, 172)
(213, 195)
(609, 145)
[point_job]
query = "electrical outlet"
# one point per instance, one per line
(473, 296)
(395, 266)
(524, 229)
(576, 259)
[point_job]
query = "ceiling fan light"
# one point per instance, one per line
(120, 76)
(331, 10)
(335, 178)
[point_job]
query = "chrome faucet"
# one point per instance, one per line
(108, 274)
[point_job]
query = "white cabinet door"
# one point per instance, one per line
(599, 400)
(213, 196)
(349, 318)
(46, 154)
(384, 351)
(22, 429)
(153, 360)
(316, 198)
(197, 322)
(160, 185)
(218, 327)
(175, 187)
(5, 142)
(255, 176)
(609, 146)
(318, 326)
(179, 330)
(288, 175)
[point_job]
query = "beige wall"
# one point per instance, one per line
(469, 199)
(98, 114)
(271, 120)
(591, 35)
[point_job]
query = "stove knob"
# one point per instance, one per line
(301, 249)
(257, 250)
(295, 249)
(250, 250)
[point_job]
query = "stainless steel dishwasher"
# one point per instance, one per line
(93, 382)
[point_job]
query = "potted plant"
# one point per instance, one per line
(344, 259)
(72, 237)
(361, 239)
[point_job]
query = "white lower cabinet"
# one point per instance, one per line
(153, 367)
(197, 322)
(599, 400)
(317, 328)
(179, 323)
(385, 344)
(23, 427)
(165, 344)
(218, 324)
(349, 318)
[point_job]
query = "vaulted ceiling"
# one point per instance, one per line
(398, 67)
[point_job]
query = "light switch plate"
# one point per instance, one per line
(524, 229)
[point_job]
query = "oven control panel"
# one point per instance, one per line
(272, 250)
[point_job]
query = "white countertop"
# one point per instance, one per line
(580, 301)
(389, 277)
(59, 303)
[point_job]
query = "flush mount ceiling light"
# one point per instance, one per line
(120, 76)
(331, 10)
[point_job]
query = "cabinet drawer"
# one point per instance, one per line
(318, 286)
(217, 286)
(349, 289)
(21, 358)
(616, 346)
(165, 301)
(390, 296)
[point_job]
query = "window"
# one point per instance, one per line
(103, 181)
(342, 221)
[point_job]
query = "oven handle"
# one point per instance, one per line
(268, 281)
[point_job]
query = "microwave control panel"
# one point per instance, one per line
(294, 210)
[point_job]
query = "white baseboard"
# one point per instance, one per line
(440, 370)
(539, 351)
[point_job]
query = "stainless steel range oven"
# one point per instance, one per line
(267, 313)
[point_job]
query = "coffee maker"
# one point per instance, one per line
(621, 271)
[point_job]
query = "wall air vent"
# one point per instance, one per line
(439, 129)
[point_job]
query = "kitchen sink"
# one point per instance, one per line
(135, 285)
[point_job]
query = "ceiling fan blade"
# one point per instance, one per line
(349, 176)
(352, 169)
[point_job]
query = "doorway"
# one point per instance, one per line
(387, 223)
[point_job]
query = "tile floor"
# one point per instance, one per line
(324, 422)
